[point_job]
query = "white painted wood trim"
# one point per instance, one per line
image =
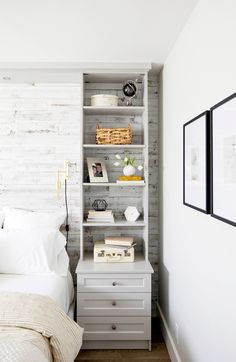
(114, 111)
(113, 146)
(124, 223)
(76, 65)
(81, 170)
(170, 344)
(146, 167)
(105, 184)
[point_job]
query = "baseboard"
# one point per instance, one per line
(170, 344)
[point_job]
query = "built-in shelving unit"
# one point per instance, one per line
(128, 277)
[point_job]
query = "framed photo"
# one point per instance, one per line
(196, 163)
(97, 170)
(223, 160)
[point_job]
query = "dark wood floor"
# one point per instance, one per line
(158, 353)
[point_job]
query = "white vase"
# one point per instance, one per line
(129, 170)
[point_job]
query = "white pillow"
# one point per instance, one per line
(62, 263)
(24, 219)
(33, 252)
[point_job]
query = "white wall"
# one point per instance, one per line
(90, 30)
(198, 266)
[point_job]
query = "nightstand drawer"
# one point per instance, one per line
(114, 304)
(115, 328)
(131, 283)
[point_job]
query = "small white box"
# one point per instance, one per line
(112, 254)
(104, 100)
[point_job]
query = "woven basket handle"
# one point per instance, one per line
(97, 126)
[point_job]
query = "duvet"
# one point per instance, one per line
(33, 328)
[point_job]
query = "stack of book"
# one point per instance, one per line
(100, 216)
(121, 241)
(130, 179)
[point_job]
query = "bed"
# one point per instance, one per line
(36, 291)
(59, 288)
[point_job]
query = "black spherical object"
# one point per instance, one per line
(99, 205)
(130, 89)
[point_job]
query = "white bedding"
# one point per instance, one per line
(59, 288)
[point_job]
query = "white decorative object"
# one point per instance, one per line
(131, 213)
(129, 170)
(104, 100)
(128, 161)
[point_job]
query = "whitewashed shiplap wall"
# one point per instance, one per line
(39, 129)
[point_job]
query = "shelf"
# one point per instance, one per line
(140, 265)
(114, 146)
(114, 111)
(105, 184)
(123, 223)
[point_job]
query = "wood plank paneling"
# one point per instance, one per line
(39, 129)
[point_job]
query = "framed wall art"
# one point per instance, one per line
(223, 160)
(196, 167)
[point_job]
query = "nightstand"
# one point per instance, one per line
(114, 304)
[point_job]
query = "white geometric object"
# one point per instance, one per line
(131, 213)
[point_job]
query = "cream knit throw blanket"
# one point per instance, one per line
(33, 324)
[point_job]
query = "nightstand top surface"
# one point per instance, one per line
(138, 266)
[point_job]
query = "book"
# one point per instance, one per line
(111, 219)
(130, 182)
(129, 178)
(100, 216)
(119, 240)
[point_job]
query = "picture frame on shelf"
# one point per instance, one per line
(196, 163)
(223, 160)
(97, 170)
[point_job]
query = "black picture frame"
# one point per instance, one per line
(223, 160)
(202, 180)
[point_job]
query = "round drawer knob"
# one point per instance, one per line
(113, 327)
(114, 284)
(113, 303)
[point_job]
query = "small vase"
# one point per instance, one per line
(129, 170)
